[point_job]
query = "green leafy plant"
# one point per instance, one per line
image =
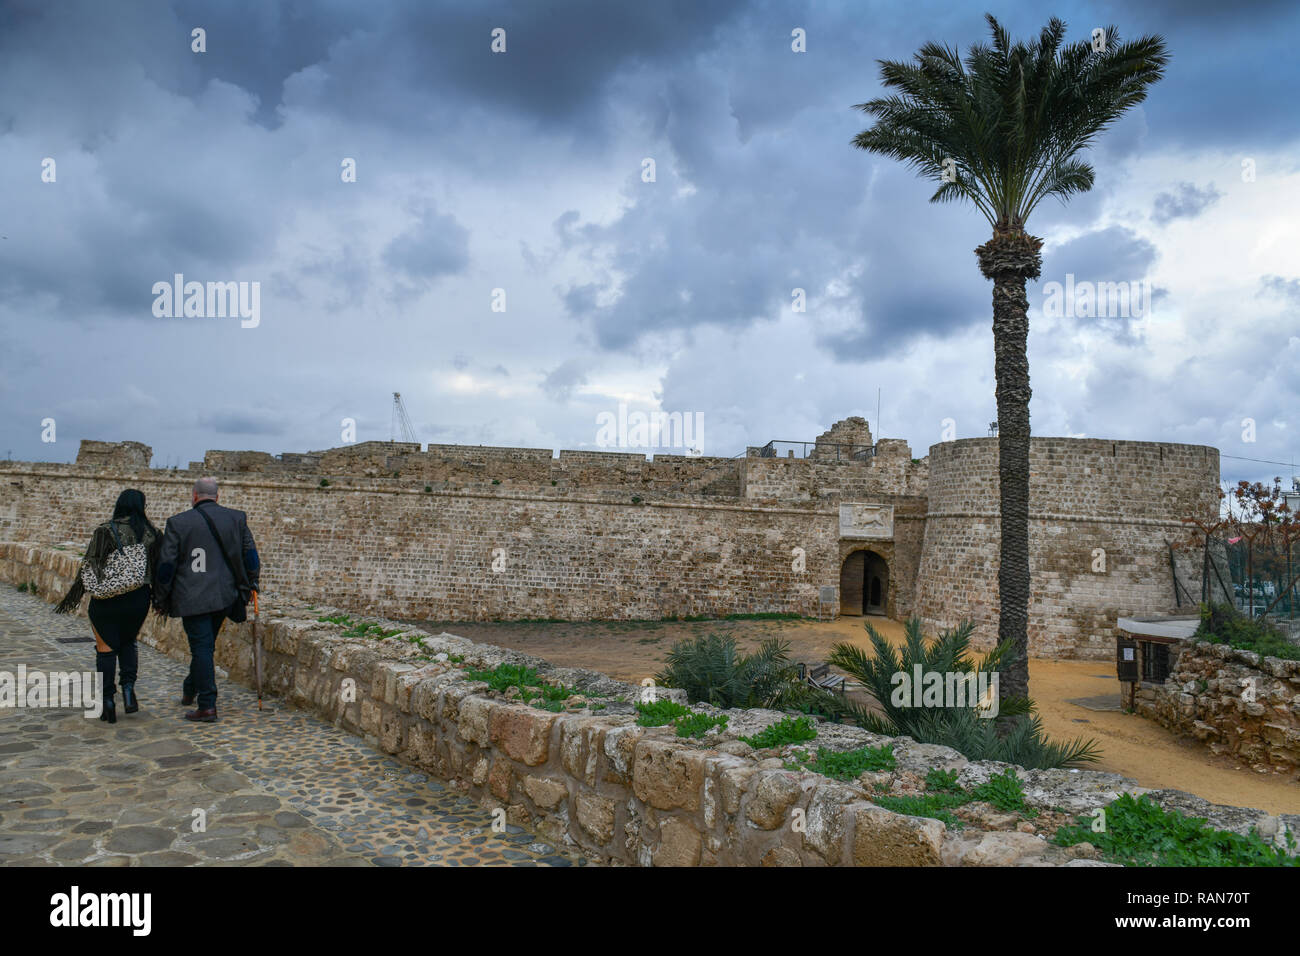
(324, 483)
(1139, 832)
(847, 765)
(1017, 736)
(688, 723)
(1224, 624)
(371, 629)
(697, 725)
(712, 669)
(937, 806)
(532, 688)
(942, 780)
(792, 730)
(660, 712)
(1005, 791)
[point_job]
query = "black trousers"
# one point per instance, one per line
(201, 681)
(117, 622)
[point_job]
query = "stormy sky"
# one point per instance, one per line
(501, 260)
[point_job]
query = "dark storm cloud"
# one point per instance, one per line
(560, 381)
(1102, 258)
(414, 61)
(225, 165)
(242, 422)
(436, 246)
(1185, 202)
(1113, 254)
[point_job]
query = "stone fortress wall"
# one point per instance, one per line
(460, 532)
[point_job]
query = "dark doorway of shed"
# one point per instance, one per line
(864, 584)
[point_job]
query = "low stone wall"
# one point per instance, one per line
(591, 779)
(1236, 702)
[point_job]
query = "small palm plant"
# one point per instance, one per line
(713, 670)
(1020, 739)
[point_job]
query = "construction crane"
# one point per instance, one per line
(401, 421)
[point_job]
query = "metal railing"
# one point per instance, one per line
(824, 450)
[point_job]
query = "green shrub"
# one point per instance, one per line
(1016, 736)
(687, 722)
(1139, 832)
(663, 711)
(933, 805)
(324, 483)
(697, 725)
(848, 765)
(792, 730)
(532, 688)
(944, 781)
(1224, 624)
(372, 629)
(713, 670)
(1005, 791)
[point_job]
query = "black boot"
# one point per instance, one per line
(130, 701)
(109, 713)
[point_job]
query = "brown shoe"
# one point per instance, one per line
(187, 700)
(208, 716)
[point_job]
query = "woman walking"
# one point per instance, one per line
(119, 573)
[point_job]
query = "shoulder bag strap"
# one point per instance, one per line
(240, 580)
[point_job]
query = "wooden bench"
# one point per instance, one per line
(820, 676)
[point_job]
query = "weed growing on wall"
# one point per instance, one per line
(1139, 832)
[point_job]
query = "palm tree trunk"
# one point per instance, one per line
(1009, 259)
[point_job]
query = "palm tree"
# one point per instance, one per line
(1003, 130)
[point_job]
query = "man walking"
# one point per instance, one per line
(206, 568)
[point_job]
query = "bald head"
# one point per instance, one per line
(205, 489)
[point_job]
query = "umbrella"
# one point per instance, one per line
(257, 652)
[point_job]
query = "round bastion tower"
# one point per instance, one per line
(1103, 515)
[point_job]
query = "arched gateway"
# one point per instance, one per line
(864, 584)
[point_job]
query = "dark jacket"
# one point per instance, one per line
(102, 544)
(181, 590)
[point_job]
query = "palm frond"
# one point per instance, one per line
(1011, 118)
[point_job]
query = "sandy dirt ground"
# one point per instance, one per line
(1131, 745)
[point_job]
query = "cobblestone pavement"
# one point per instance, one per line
(278, 787)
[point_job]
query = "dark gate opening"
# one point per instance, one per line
(864, 584)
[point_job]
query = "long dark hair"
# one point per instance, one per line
(130, 505)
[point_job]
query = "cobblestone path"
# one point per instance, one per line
(278, 787)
